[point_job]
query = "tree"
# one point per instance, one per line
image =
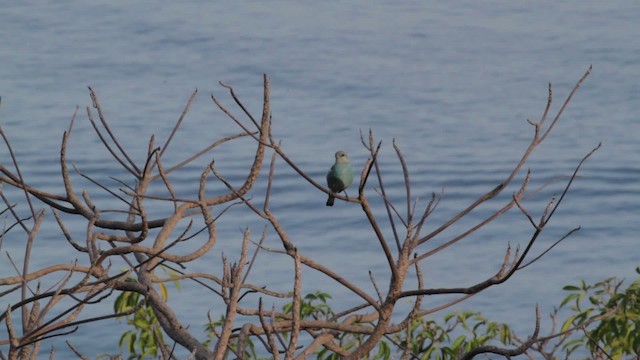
(145, 244)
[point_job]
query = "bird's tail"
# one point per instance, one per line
(330, 200)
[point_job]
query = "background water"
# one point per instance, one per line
(453, 85)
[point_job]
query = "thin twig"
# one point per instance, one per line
(182, 116)
(103, 120)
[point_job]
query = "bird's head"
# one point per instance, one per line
(341, 157)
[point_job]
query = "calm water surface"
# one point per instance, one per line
(452, 85)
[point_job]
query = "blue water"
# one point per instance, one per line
(453, 85)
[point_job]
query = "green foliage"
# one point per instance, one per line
(457, 333)
(615, 315)
(430, 339)
(146, 337)
(611, 316)
(312, 306)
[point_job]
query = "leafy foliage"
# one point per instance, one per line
(313, 306)
(610, 315)
(457, 333)
(616, 312)
(146, 337)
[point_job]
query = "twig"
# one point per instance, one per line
(295, 321)
(103, 120)
(182, 116)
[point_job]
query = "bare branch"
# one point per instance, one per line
(131, 166)
(175, 128)
(295, 321)
(507, 352)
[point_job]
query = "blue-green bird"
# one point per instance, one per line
(340, 176)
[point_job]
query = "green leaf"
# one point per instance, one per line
(163, 292)
(459, 341)
(142, 324)
(384, 351)
(568, 299)
(571, 288)
(287, 308)
(132, 343)
(126, 338)
(568, 323)
(572, 345)
(505, 335)
(635, 343)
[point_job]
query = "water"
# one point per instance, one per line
(452, 85)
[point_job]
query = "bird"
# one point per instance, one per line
(340, 176)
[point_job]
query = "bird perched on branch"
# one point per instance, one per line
(340, 176)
